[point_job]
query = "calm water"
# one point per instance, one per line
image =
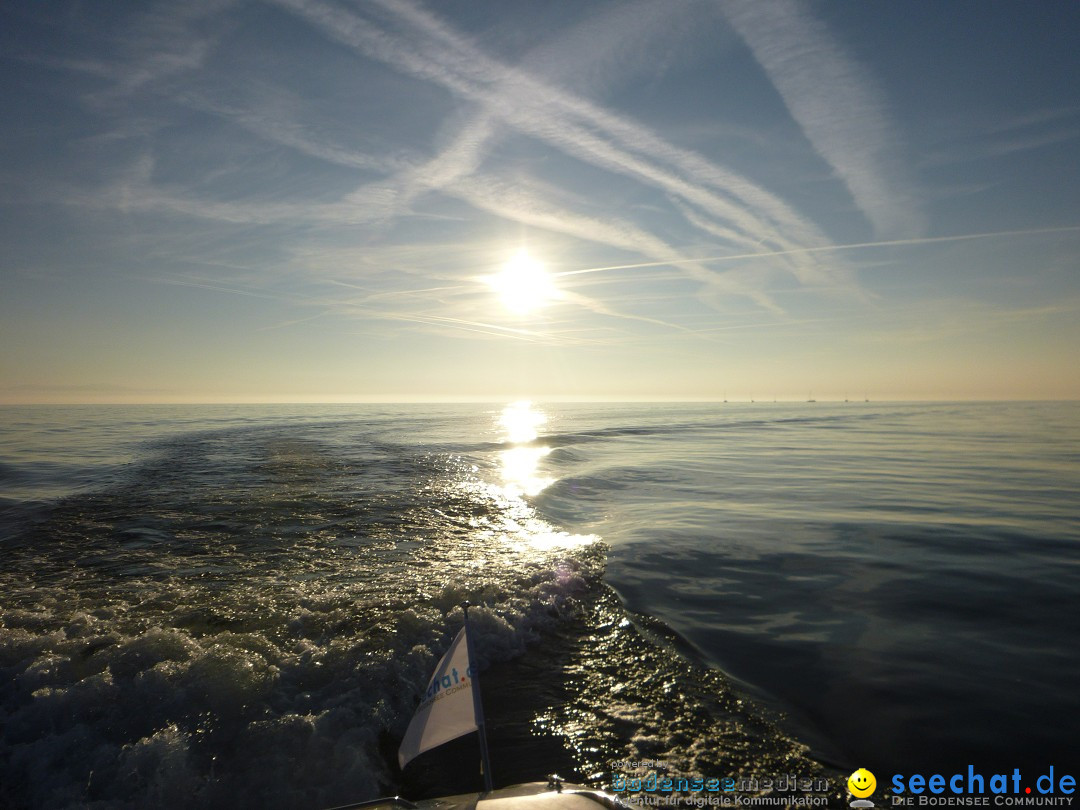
(212, 606)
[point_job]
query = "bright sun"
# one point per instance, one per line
(523, 284)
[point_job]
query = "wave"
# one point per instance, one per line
(253, 613)
(249, 603)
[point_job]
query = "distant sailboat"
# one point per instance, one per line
(811, 397)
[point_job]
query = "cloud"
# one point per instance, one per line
(516, 99)
(161, 41)
(505, 100)
(502, 100)
(986, 138)
(837, 105)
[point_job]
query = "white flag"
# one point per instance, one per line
(447, 710)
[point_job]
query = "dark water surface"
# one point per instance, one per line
(239, 605)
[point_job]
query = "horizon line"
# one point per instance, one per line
(554, 399)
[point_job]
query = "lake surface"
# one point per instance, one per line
(200, 603)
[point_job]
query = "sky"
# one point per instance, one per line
(316, 200)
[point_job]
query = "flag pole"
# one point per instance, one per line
(478, 706)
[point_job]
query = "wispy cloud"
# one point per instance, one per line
(981, 139)
(276, 119)
(836, 104)
(578, 127)
(298, 173)
(606, 139)
(162, 41)
(723, 206)
(923, 240)
(837, 107)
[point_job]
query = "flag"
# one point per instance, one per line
(447, 710)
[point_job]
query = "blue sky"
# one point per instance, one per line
(309, 200)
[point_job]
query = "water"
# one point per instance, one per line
(213, 606)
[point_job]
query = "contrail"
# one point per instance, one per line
(925, 240)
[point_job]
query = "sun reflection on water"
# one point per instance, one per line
(519, 425)
(520, 422)
(519, 471)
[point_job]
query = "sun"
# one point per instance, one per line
(523, 284)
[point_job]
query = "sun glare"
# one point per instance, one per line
(520, 422)
(523, 284)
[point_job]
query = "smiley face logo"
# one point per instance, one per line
(861, 783)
